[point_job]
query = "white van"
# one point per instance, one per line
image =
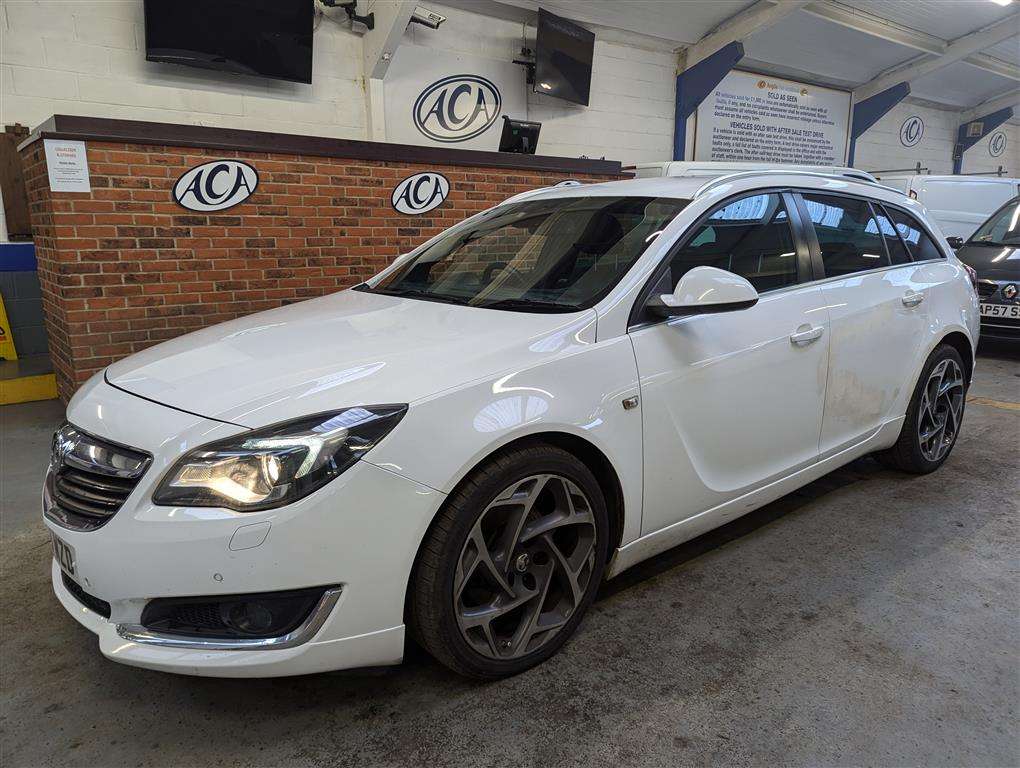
(959, 204)
(720, 168)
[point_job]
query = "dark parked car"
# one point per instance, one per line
(993, 251)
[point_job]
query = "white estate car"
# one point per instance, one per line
(533, 401)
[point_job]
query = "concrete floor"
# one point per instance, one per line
(870, 618)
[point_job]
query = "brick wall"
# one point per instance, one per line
(124, 267)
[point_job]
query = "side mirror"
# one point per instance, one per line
(955, 242)
(703, 290)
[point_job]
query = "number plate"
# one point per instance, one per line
(63, 553)
(1011, 311)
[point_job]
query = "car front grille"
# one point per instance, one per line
(986, 288)
(89, 479)
(91, 602)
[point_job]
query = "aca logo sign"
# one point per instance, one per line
(216, 186)
(911, 131)
(457, 108)
(420, 193)
(997, 144)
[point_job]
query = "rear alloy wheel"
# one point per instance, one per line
(511, 564)
(934, 416)
(941, 410)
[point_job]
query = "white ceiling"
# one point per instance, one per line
(1008, 50)
(960, 85)
(948, 19)
(808, 44)
(680, 21)
(828, 51)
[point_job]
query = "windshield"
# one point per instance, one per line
(555, 255)
(1003, 228)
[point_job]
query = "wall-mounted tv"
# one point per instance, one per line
(563, 55)
(267, 38)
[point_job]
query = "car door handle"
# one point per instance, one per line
(912, 298)
(805, 334)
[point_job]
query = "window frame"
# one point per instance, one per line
(880, 207)
(640, 318)
(818, 265)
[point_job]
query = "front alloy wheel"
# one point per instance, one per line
(525, 566)
(511, 563)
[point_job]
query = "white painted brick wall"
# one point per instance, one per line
(880, 147)
(630, 115)
(87, 57)
(977, 158)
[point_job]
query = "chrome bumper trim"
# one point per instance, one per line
(136, 633)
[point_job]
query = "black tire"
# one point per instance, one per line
(432, 611)
(907, 454)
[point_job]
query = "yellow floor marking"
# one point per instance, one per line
(28, 388)
(1005, 405)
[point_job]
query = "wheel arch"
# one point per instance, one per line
(961, 343)
(589, 454)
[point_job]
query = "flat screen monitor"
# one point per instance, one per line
(266, 38)
(563, 55)
(520, 136)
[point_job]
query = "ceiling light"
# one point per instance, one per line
(1003, 3)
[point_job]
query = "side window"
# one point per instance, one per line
(848, 234)
(897, 251)
(750, 237)
(921, 247)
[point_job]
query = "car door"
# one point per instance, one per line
(876, 296)
(732, 400)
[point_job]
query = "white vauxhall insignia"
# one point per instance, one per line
(531, 402)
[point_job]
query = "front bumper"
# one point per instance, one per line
(999, 326)
(378, 648)
(360, 533)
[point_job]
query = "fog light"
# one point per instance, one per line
(250, 618)
(257, 616)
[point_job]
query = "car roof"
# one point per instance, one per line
(708, 168)
(688, 187)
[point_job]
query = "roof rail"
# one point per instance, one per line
(862, 176)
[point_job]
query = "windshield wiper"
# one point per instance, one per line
(415, 293)
(529, 305)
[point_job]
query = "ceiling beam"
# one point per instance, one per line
(869, 24)
(1009, 99)
(958, 50)
(994, 65)
(740, 26)
(379, 44)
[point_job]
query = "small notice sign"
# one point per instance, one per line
(67, 165)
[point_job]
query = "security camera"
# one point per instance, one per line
(427, 18)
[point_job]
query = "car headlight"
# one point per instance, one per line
(277, 465)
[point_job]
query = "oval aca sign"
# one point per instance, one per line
(216, 186)
(457, 108)
(997, 144)
(420, 193)
(912, 131)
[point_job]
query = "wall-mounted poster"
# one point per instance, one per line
(759, 118)
(67, 165)
(450, 100)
